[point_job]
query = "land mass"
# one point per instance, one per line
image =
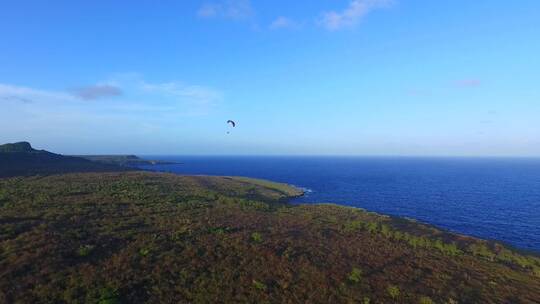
(140, 237)
(124, 160)
(20, 159)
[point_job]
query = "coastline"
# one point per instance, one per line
(488, 199)
(430, 229)
(225, 232)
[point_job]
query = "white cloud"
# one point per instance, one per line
(228, 9)
(283, 23)
(353, 14)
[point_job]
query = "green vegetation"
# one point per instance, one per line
(256, 237)
(123, 160)
(85, 250)
(108, 296)
(393, 291)
(144, 251)
(259, 285)
(355, 276)
(450, 249)
(426, 300)
(135, 237)
(283, 189)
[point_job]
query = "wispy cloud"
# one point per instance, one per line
(16, 99)
(159, 108)
(283, 23)
(227, 9)
(353, 14)
(195, 94)
(97, 91)
(23, 94)
(468, 83)
(132, 94)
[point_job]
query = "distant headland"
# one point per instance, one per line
(124, 160)
(21, 159)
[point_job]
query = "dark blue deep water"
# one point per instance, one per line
(491, 198)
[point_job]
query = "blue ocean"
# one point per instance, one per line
(491, 198)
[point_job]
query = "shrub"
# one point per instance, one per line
(259, 285)
(372, 227)
(482, 251)
(218, 230)
(109, 296)
(385, 230)
(536, 271)
(353, 226)
(393, 291)
(85, 250)
(256, 237)
(253, 205)
(355, 276)
(426, 300)
(144, 251)
(398, 235)
(424, 242)
(452, 249)
(413, 241)
(439, 245)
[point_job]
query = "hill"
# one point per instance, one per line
(159, 238)
(22, 146)
(20, 159)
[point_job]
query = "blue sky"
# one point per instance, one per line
(345, 77)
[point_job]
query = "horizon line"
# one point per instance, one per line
(318, 155)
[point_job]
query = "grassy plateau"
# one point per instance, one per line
(139, 237)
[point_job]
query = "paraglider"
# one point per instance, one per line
(233, 124)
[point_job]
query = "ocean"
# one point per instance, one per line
(491, 198)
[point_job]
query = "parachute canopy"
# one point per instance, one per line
(231, 122)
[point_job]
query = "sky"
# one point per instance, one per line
(317, 77)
